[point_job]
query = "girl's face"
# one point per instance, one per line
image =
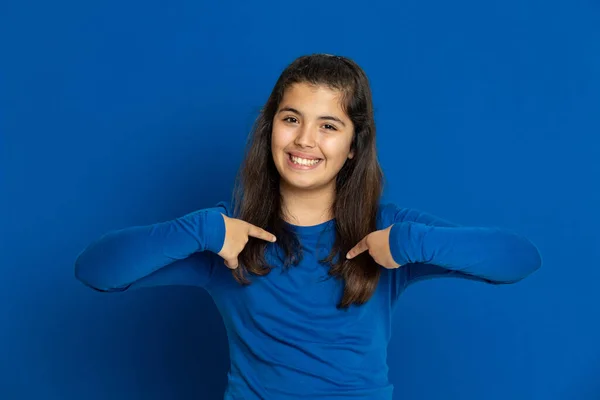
(312, 137)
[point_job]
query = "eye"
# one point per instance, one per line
(330, 127)
(290, 119)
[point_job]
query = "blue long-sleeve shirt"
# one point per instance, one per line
(287, 339)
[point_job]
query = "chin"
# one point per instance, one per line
(308, 185)
(302, 184)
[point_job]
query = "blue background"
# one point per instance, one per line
(118, 113)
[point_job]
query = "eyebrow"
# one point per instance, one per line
(323, 117)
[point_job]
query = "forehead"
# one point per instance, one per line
(312, 97)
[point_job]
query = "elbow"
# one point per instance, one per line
(536, 260)
(95, 285)
(85, 273)
(82, 274)
(528, 261)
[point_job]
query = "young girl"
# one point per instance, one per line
(306, 265)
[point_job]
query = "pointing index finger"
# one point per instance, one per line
(260, 233)
(359, 248)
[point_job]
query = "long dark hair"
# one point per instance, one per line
(257, 198)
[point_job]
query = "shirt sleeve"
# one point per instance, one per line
(175, 252)
(427, 247)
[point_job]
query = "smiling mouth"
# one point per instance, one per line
(304, 162)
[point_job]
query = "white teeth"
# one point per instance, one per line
(303, 161)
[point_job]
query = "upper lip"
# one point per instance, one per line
(303, 155)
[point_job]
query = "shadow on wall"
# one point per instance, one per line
(587, 387)
(152, 343)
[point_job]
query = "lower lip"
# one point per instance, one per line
(300, 166)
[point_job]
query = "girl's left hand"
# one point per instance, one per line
(378, 245)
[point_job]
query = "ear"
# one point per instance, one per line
(351, 154)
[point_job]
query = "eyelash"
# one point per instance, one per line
(287, 119)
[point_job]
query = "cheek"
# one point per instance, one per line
(278, 137)
(337, 150)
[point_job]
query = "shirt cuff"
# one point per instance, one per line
(214, 231)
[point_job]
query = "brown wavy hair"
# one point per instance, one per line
(257, 199)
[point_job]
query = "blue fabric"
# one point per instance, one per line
(287, 339)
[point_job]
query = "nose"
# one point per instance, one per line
(306, 137)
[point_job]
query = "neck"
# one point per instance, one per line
(307, 207)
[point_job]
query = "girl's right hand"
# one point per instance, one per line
(237, 234)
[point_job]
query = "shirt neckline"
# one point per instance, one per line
(311, 229)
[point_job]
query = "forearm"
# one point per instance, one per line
(119, 258)
(491, 254)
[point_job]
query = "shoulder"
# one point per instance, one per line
(212, 213)
(224, 207)
(389, 213)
